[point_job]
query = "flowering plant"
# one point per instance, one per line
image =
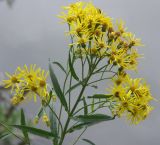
(103, 50)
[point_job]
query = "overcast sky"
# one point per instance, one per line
(30, 32)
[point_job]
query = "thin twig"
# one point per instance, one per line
(99, 80)
(60, 113)
(88, 106)
(80, 136)
(56, 116)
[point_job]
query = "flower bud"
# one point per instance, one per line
(36, 120)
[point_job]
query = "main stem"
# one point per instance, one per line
(74, 107)
(68, 119)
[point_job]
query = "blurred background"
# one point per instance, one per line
(31, 32)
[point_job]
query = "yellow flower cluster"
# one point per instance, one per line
(94, 33)
(27, 82)
(131, 98)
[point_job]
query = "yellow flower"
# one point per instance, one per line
(133, 41)
(101, 44)
(46, 120)
(132, 99)
(118, 92)
(141, 91)
(74, 6)
(106, 23)
(89, 26)
(42, 89)
(18, 97)
(138, 113)
(28, 82)
(121, 26)
(79, 29)
(123, 105)
(29, 73)
(14, 100)
(92, 29)
(121, 78)
(74, 11)
(128, 61)
(82, 41)
(123, 57)
(12, 81)
(36, 120)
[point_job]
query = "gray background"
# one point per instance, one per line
(30, 32)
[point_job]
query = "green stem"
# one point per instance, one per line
(101, 68)
(60, 113)
(88, 106)
(68, 119)
(80, 136)
(65, 81)
(78, 100)
(98, 109)
(100, 80)
(104, 71)
(82, 68)
(56, 117)
(69, 101)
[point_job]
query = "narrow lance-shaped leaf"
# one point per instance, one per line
(100, 96)
(92, 105)
(73, 73)
(4, 135)
(85, 106)
(53, 126)
(35, 131)
(89, 120)
(60, 66)
(93, 118)
(88, 141)
(23, 122)
(57, 88)
(79, 126)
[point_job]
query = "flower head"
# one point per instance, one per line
(132, 99)
(27, 82)
(95, 34)
(13, 80)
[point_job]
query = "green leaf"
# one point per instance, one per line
(79, 126)
(4, 135)
(89, 120)
(88, 141)
(53, 126)
(100, 96)
(60, 66)
(57, 88)
(92, 105)
(35, 131)
(73, 73)
(85, 106)
(23, 122)
(95, 118)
